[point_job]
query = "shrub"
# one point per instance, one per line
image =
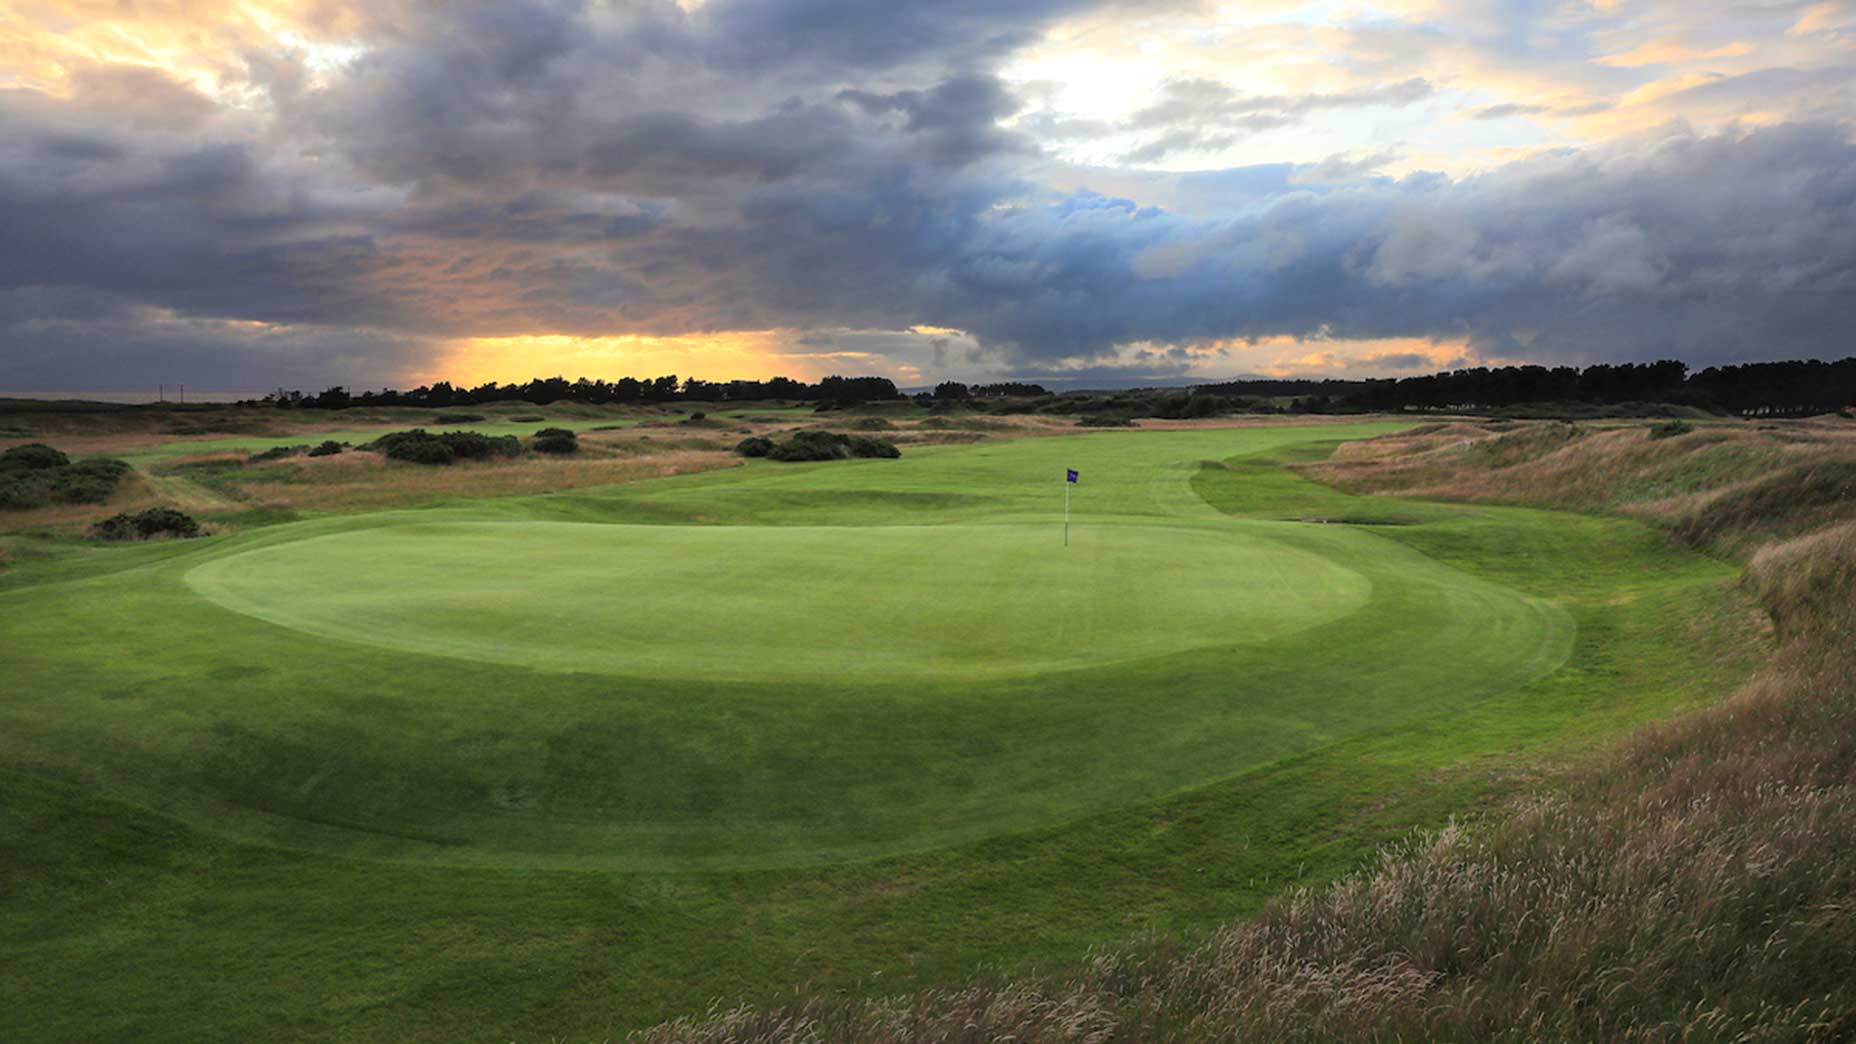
(419, 446)
(35, 475)
(825, 445)
(556, 440)
(457, 418)
(528, 418)
(1105, 422)
(757, 446)
(22, 490)
(423, 451)
(146, 525)
(33, 456)
(276, 453)
(326, 449)
(698, 415)
(1670, 429)
(472, 446)
(88, 481)
(866, 446)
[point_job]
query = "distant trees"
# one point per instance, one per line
(1795, 387)
(625, 390)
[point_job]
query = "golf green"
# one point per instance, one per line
(786, 603)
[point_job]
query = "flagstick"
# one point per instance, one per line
(1066, 510)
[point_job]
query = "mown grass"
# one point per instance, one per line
(224, 773)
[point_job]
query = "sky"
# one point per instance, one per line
(384, 193)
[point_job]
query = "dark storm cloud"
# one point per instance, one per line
(557, 167)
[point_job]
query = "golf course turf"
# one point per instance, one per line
(569, 763)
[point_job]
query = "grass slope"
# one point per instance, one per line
(581, 850)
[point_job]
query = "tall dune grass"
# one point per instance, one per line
(1696, 883)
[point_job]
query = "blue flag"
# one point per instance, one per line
(1069, 474)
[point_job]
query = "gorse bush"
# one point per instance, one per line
(154, 523)
(1105, 421)
(276, 453)
(458, 418)
(34, 456)
(826, 445)
(35, 475)
(755, 446)
(419, 446)
(528, 418)
(328, 448)
(556, 440)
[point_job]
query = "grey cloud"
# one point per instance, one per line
(543, 167)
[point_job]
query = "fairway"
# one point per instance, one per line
(747, 603)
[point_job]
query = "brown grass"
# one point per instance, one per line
(365, 481)
(1695, 883)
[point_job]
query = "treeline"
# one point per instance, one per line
(546, 390)
(1778, 388)
(1794, 387)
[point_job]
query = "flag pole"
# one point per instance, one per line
(1066, 509)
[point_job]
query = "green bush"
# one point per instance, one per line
(146, 525)
(556, 440)
(33, 456)
(421, 451)
(528, 418)
(757, 446)
(825, 445)
(35, 475)
(1669, 429)
(22, 490)
(88, 481)
(457, 418)
(276, 453)
(548, 433)
(469, 445)
(419, 446)
(1104, 421)
(326, 449)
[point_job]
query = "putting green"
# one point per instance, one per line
(789, 602)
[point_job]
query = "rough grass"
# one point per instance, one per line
(1697, 882)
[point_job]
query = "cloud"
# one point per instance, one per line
(432, 174)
